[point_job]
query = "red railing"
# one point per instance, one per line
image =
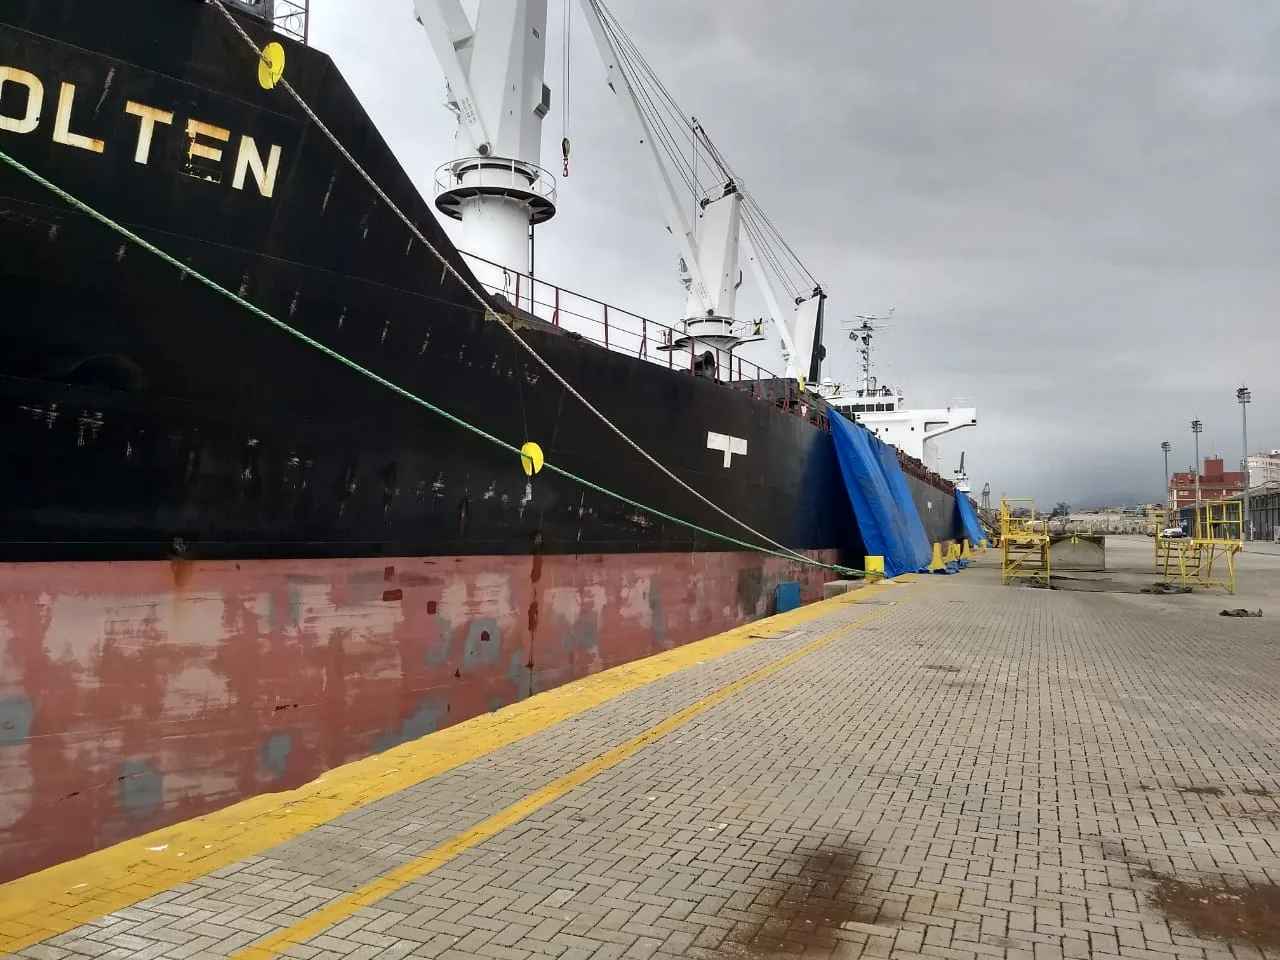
(923, 473)
(621, 331)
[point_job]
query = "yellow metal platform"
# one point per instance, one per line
(1215, 540)
(1024, 547)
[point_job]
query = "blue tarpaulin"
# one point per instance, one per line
(887, 516)
(969, 520)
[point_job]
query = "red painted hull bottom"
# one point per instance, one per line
(136, 695)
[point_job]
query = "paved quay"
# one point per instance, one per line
(939, 767)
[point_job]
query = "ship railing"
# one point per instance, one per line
(918, 470)
(290, 17)
(293, 18)
(624, 332)
(466, 177)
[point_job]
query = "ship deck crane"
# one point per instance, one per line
(497, 189)
(494, 72)
(727, 221)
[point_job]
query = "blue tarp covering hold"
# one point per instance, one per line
(969, 520)
(886, 514)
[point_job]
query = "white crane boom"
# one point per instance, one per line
(645, 139)
(494, 186)
(775, 308)
(715, 249)
(452, 35)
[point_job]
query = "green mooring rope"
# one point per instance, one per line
(382, 381)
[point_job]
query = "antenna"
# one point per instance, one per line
(862, 335)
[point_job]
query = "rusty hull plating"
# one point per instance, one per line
(137, 694)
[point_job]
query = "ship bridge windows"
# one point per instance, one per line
(872, 408)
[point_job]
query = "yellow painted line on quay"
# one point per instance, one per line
(68, 895)
(327, 916)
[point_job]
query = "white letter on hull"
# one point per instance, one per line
(249, 159)
(197, 149)
(148, 117)
(62, 123)
(729, 445)
(35, 100)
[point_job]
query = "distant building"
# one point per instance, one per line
(1264, 512)
(1264, 468)
(1215, 484)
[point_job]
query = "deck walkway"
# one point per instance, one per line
(944, 767)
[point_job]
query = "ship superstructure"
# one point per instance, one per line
(883, 409)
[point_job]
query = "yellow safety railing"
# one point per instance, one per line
(1024, 546)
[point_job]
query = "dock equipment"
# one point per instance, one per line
(1024, 549)
(1216, 535)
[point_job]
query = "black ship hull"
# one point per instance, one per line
(173, 454)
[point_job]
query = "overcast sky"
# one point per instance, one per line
(1073, 207)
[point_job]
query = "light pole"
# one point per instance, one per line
(1243, 397)
(1166, 446)
(1196, 427)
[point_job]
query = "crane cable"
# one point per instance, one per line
(564, 114)
(663, 113)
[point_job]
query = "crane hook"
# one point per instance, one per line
(564, 148)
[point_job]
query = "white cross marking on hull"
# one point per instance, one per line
(730, 445)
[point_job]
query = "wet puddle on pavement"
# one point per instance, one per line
(827, 895)
(1235, 914)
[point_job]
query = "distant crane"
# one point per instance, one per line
(986, 496)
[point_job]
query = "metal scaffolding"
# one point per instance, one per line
(1216, 535)
(1024, 549)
